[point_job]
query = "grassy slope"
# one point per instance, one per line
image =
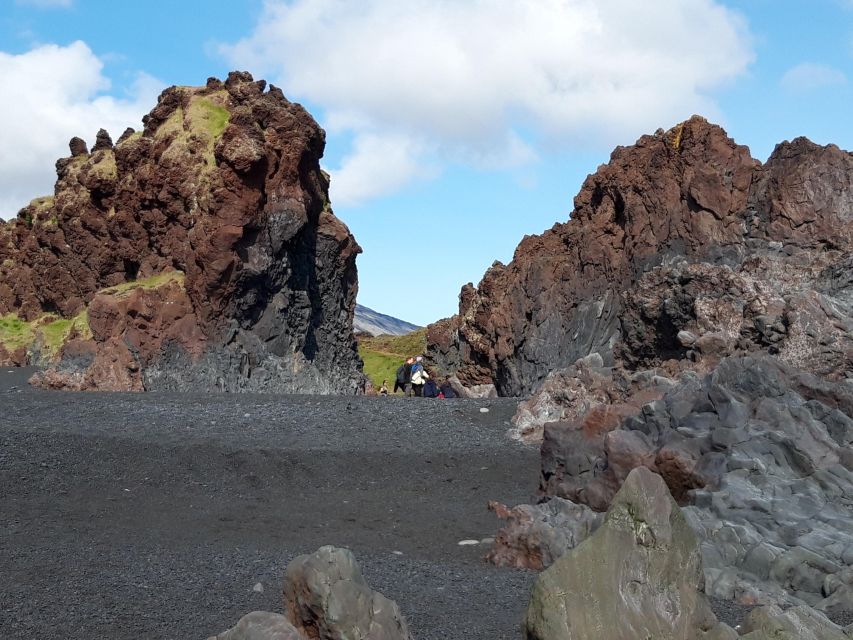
(383, 354)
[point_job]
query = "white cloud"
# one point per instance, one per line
(51, 94)
(377, 165)
(46, 4)
(461, 80)
(808, 76)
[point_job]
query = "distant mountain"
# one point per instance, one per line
(376, 324)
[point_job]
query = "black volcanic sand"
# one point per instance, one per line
(154, 515)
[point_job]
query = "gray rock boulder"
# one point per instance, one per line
(760, 454)
(261, 625)
(638, 576)
(327, 598)
(796, 623)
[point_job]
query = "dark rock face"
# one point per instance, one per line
(224, 188)
(684, 230)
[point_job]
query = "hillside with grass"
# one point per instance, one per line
(383, 354)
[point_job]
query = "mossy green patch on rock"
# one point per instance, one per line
(154, 282)
(207, 115)
(15, 332)
(196, 128)
(136, 135)
(48, 332)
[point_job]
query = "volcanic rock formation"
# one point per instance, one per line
(683, 248)
(695, 318)
(199, 253)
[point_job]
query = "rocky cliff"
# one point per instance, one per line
(682, 232)
(693, 318)
(198, 253)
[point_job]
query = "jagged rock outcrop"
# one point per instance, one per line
(217, 215)
(759, 454)
(683, 234)
(638, 576)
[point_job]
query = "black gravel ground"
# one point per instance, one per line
(154, 515)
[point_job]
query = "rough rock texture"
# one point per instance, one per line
(760, 453)
(682, 249)
(261, 625)
(796, 623)
(536, 535)
(223, 186)
(638, 576)
(587, 391)
(327, 598)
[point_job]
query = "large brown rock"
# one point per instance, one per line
(617, 278)
(224, 186)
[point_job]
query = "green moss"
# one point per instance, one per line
(382, 355)
(15, 332)
(133, 136)
(210, 117)
(202, 122)
(80, 324)
(154, 282)
(55, 333)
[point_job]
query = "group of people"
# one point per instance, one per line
(414, 380)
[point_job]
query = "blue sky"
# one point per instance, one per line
(454, 128)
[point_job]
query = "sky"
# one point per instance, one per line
(454, 127)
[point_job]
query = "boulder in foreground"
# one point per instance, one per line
(638, 576)
(327, 598)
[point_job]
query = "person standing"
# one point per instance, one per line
(404, 376)
(419, 377)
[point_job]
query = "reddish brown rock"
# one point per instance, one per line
(224, 186)
(688, 196)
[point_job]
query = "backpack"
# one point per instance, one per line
(417, 368)
(401, 373)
